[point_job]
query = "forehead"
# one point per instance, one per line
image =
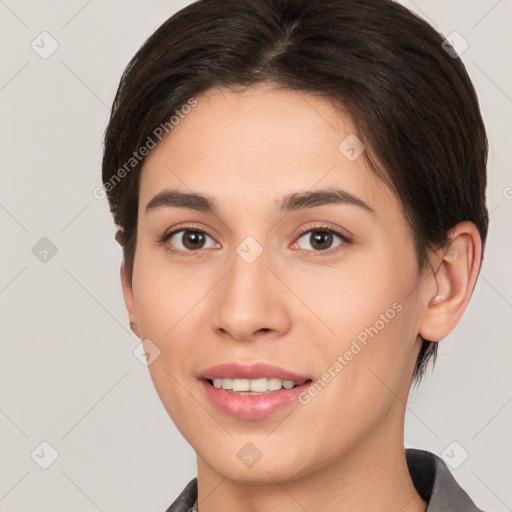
(261, 142)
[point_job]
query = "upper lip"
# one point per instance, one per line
(252, 371)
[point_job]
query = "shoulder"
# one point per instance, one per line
(436, 485)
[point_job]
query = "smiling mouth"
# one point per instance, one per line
(260, 386)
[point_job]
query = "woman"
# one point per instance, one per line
(300, 191)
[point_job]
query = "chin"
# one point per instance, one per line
(243, 462)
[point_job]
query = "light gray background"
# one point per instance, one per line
(68, 373)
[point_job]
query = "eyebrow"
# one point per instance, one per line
(291, 202)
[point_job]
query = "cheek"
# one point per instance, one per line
(166, 299)
(367, 313)
(163, 293)
(350, 296)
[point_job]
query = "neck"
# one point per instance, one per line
(371, 476)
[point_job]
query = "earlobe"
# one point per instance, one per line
(133, 327)
(454, 278)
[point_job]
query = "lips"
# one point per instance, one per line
(251, 392)
(253, 371)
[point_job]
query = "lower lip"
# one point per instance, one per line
(251, 407)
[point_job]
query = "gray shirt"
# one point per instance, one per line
(429, 473)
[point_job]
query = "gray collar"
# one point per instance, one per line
(435, 484)
(429, 473)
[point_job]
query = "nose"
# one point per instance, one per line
(250, 302)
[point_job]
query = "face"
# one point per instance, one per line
(287, 275)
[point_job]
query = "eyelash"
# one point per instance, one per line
(319, 228)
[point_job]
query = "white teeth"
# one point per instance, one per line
(241, 385)
(274, 384)
(262, 385)
(259, 385)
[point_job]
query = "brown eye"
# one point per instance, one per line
(190, 240)
(321, 239)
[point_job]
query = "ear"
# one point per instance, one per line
(126, 285)
(458, 265)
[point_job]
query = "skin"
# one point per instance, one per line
(295, 306)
